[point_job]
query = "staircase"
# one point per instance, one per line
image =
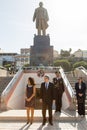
(72, 79)
(66, 115)
(3, 83)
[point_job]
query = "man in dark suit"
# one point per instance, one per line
(46, 97)
(80, 88)
(59, 89)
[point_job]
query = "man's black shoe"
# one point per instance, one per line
(58, 111)
(50, 123)
(43, 123)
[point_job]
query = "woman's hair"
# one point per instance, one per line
(31, 81)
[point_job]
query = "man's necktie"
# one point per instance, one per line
(46, 85)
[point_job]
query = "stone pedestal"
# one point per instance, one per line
(41, 52)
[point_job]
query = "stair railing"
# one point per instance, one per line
(67, 84)
(81, 72)
(9, 87)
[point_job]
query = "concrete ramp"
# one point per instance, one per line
(15, 98)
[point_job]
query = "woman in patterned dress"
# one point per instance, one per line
(30, 99)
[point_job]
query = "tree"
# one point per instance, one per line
(7, 66)
(80, 63)
(70, 50)
(26, 65)
(65, 53)
(65, 64)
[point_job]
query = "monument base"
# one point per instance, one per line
(41, 53)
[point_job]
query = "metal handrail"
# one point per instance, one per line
(83, 70)
(11, 83)
(67, 84)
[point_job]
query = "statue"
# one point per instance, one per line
(41, 17)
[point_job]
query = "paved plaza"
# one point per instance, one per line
(9, 125)
(16, 120)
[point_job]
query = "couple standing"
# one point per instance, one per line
(49, 92)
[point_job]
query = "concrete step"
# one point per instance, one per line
(20, 115)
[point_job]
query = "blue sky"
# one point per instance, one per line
(67, 24)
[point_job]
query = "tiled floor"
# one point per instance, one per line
(82, 125)
(16, 120)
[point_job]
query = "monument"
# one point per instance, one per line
(41, 53)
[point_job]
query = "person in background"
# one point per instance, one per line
(80, 88)
(59, 89)
(30, 99)
(46, 98)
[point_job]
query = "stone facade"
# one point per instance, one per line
(41, 53)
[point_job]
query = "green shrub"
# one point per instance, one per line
(80, 63)
(65, 64)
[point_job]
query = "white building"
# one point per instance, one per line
(85, 54)
(23, 58)
(80, 53)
